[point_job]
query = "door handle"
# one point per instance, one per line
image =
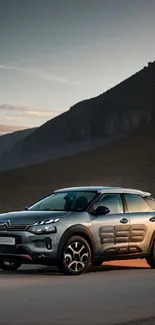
(124, 220)
(152, 219)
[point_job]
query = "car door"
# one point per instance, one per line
(142, 223)
(111, 231)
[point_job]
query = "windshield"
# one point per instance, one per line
(64, 201)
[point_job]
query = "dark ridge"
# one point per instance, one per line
(117, 112)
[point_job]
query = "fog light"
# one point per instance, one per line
(48, 243)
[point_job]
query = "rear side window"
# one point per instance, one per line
(136, 203)
(151, 202)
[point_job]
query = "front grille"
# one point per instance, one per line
(13, 227)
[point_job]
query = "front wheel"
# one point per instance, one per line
(76, 256)
(9, 266)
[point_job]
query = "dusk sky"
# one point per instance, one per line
(54, 53)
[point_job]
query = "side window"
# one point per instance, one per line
(151, 202)
(136, 203)
(111, 201)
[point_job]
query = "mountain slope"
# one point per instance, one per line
(116, 112)
(128, 162)
(119, 109)
(7, 141)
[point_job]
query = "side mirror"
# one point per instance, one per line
(101, 210)
(26, 208)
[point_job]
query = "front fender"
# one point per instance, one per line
(79, 230)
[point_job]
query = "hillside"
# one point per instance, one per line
(127, 162)
(116, 112)
(7, 141)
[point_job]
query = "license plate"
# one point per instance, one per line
(7, 241)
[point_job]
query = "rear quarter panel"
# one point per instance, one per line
(141, 230)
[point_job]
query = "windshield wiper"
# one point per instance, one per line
(46, 210)
(51, 210)
(72, 210)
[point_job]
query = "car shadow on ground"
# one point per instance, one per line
(41, 270)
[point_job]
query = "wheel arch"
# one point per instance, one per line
(151, 242)
(78, 230)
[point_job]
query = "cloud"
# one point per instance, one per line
(22, 115)
(28, 111)
(10, 128)
(13, 118)
(39, 74)
(41, 114)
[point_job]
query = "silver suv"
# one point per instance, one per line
(74, 228)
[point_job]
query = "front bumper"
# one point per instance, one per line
(43, 259)
(30, 248)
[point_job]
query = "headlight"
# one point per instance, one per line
(47, 221)
(42, 229)
(44, 226)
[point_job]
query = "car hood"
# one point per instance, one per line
(30, 217)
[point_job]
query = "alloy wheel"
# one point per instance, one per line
(76, 256)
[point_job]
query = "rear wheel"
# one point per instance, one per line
(76, 256)
(9, 266)
(151, 258)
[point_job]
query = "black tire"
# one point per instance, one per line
(151, 258)
(150, 261)
(74, 262)
(9, 266)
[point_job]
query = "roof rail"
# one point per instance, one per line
(125, 190)
(133, 191)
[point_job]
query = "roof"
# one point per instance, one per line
(105, 189)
